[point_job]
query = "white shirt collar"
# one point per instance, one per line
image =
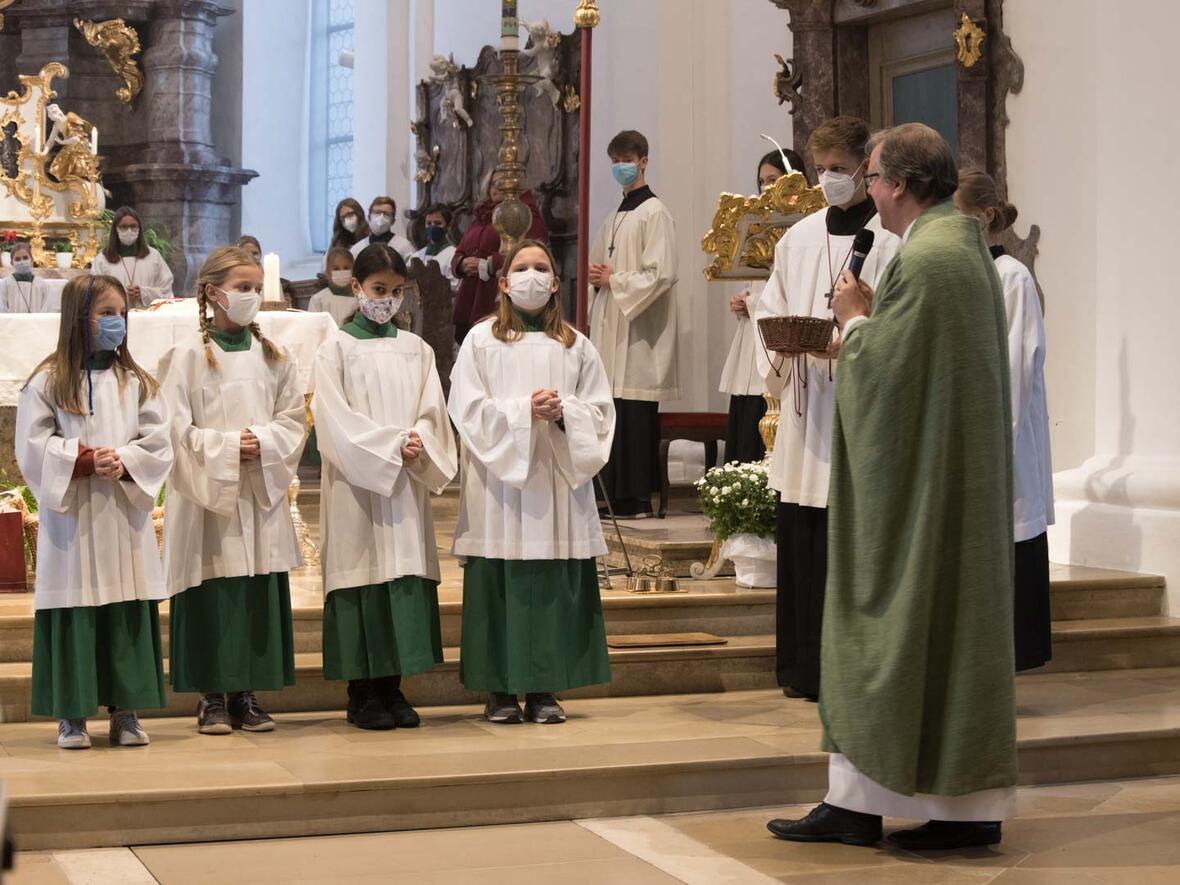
(905, 236)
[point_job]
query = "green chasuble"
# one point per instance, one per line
(917, 660)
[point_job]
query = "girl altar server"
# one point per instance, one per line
(93, 445)
(336, 298)
(532, 404)
(386, 444)
(22, 292)
(238, 429)
(128, 258)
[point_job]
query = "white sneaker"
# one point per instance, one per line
(126, 730)
(71, 734)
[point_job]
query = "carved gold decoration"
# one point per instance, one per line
(745, 230)
(571, 101)
(427, 165)
(787, 82)
(969, 37)
(118, 41)
(768, 424)
(512, 218)
(587, 14)
(4, 4)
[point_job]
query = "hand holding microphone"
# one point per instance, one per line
(851, 297)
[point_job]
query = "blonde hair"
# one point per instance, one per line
(66, 366)
(507, 325)
(978, 190)
(214, 272)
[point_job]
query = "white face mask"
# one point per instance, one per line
(838, 187)
(127, 235)
(380, 222)
(379, 310)
(22, 265)
(242, 307)
(530, 289)
(348, 222)
(340, 278)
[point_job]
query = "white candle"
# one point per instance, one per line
(509, 26)
(94, 140)
(272, 289)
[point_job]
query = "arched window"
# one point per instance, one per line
(329, 115)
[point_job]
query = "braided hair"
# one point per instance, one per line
(214, 272)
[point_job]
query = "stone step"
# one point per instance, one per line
(614, 757)
(1115, 644)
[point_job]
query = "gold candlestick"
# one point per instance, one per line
(512, 218)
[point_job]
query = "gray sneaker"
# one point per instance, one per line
(502, 709)
(126, 730)
(212, 717)
(542, 707)
(246, 714)
(71, 734)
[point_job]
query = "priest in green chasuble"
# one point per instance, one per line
(916, 695)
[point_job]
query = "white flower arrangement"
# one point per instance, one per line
(737, 499)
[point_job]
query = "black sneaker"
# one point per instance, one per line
(388, 688)
(244, 713)
(502, 709)
(365, 708)
(212, 717)
(542, 707)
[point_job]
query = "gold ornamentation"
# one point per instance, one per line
(512, 218)
(969, 37)
(746, 229)
(787, 81)
(4, 4)
(587, 14)
(427, 164)
(768, 425)
(118, 41)
(572, 101)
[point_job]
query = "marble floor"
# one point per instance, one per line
(1106, 833)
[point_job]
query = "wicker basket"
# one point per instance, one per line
(794, 335)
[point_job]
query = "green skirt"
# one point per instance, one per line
(232, 634)
(311, 451)
(532, 626)
(107, 655)
(382, 630)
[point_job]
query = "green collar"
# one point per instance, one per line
(432, 249)
(23, 277)
(360, 326)
(230, 342)
(344, 292)
(129, 251)
(102, 359)
(531, 323)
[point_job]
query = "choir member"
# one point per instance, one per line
(349, 224)
(128, 258)
(337, 297)
(439, 249)
(382, 212)
(21, 291)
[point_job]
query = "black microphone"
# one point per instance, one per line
(861, 246)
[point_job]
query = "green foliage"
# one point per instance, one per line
(737, 500)
(63, 246)
(155, 235)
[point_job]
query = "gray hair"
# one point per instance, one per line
(919, 156)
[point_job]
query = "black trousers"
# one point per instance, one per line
(799, 613)
(1031, 615)
(633, 471)
(742, 440)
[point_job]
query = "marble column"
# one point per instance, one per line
(813, 32)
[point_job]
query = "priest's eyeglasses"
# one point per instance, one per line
(870, 177)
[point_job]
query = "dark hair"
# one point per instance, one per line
(22, 244)
(375, 258)
(246, 238)
(439, 209)
(340, 236)
(628, 142)
(919, 156)
(977, 190)
(379, 200)
(843, 132)
(111, 252)
(775, 159)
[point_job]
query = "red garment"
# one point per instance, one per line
(84, 463)
(476, 298)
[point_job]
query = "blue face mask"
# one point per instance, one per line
(625, 173)
(435, 235)
(112, 331)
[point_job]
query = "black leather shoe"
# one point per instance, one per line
(827, 823)
(389, 689)
(365, 709)
(944, 835)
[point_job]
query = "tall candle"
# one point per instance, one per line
(272, 289)
(509, 26)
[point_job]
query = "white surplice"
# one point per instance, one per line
(633, 320)
(1032, 465)
(740, 375)
(339, 307)
(38, 295)
(527, 486)
(397, 243)
(151, 273)
(375, 514)
(806, 262)
(222, 518)
(96, 543)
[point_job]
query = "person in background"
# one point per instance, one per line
(740, 377)
(129, 259)
(439, 249)
(477, 260)
(1032, 464)
(22, 291)
(382, 213)
(252, 247)
(337, 297)
(349, 225)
